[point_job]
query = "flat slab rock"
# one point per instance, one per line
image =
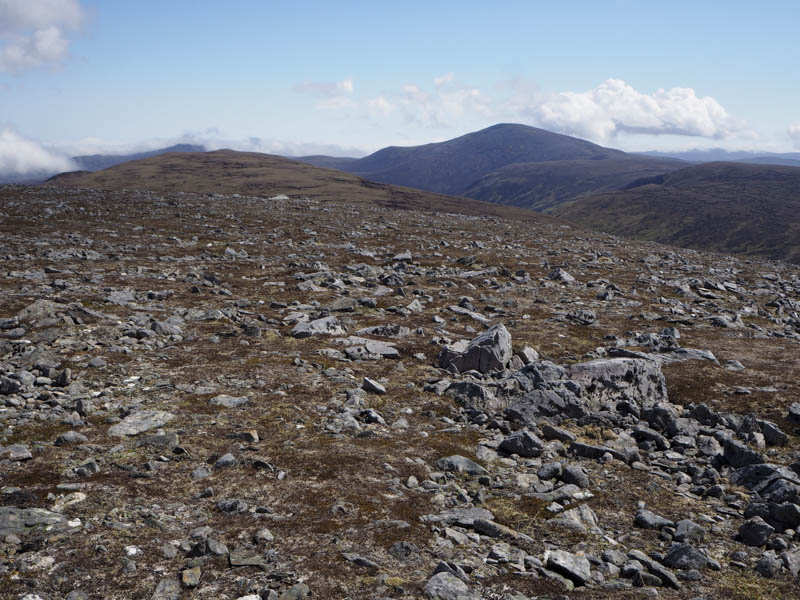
(24, 521)
(139, 422)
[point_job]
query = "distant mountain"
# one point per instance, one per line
(724, 207)
(508, 164)
(96, 162)
(720, 155)
(264, 175)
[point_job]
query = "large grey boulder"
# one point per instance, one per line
(616, 379)
(40, 310)
(490, 351)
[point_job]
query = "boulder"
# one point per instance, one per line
(324, 326)
(573, 567)
(490, 351)
(523, 443)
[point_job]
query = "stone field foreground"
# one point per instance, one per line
(206, 396)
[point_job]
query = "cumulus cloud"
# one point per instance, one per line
(794, 133)
(449, 102)
(615, 107)
(21, 157)
(34, 33)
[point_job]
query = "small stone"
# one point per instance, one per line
(649, 520)
(167, 589)
(226, 460)
(228, 401)
(263, 536)
(297, 592)
(191, 577)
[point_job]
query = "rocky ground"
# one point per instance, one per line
(207, 396)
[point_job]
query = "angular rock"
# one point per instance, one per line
(490, 351)
(573, 567)
(738, 454)
(755, 532)
(522, 442)
(689, 531)
(324, 326)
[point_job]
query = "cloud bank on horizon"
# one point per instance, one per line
(23, 157)
(34, 33)
(794, 133)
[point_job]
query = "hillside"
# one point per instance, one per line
(723, 207)
(265, 175)
(219, 397)
(539, 186)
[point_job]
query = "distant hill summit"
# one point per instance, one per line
(97, 162)
(451, 167)
(507, 163)
(723, 207)
(265, 175)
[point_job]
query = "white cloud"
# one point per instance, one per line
(444, 107)
(615, 107)
(326, 89)
(794, 133)
(22, 156)
(446, 78)
(33, 33)
(380, 106)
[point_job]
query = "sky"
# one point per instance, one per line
(347, 78)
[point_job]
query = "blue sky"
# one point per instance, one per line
(351, 77)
